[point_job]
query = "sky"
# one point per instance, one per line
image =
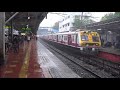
(52, 18)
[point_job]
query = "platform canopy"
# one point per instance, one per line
(22, 20)
(108, 25)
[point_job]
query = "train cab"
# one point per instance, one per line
(89, 40)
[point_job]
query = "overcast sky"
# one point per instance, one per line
(52, 18)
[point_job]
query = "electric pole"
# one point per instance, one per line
(82, 16)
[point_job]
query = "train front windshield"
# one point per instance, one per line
(95, 38)
(84, 37)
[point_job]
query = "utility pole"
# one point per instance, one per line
(82, 16)
(81, 19)
(11, 30)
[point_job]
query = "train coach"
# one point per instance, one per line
(84, 40)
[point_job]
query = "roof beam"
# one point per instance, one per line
(11, 17)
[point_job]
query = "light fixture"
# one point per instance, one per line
(110, 32)
(28, 17)
(98, 29)
(27, 26)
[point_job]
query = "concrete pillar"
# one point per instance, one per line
(2, 38)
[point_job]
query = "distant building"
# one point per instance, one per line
(67, 24)
(54, 30)
(46, 30)
(42, 31)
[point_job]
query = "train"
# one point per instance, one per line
(84, 40)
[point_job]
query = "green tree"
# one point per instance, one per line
(78, 23)
(56, 25)
(117, 14)
(108, 16)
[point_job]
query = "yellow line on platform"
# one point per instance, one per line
(24, 70)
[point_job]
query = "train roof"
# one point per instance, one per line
(67, 33)
(72, 32)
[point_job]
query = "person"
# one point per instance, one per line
(16, 44)
(117, 44)
(28, 38)
(102, 42)
(6, 44)
(21, 39)
(113, 44)
(36, 37)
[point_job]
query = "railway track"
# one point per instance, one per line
(93, 72)
(110, 67)
(102, 64)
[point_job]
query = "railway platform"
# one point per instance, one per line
(111, 50)
(110, 53)
(34, 61)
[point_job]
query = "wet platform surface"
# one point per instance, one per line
(34, 61)
(23, 64)
(52, 67)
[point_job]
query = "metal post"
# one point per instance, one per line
(82, 16)
(81, 19)
(11, 17)
(106, 36)
(2, 38)
(11, 31)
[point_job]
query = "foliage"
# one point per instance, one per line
(110, 16)
(78, 23)
(56, 25)
(7, 27)
(24, 30)
(117, 14)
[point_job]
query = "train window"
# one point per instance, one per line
(54, 37)
(95, 39)
(65, 38)
(84, 38)
(74, 38)
(60, 37)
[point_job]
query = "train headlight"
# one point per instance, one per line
(97, 44)
(93, 49)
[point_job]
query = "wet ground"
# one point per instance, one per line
(34, 61)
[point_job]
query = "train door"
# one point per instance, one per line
(76, 40)
(61, 38)
(69, 40)
(57, 38)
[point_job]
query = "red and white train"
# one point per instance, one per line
(83, 39)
